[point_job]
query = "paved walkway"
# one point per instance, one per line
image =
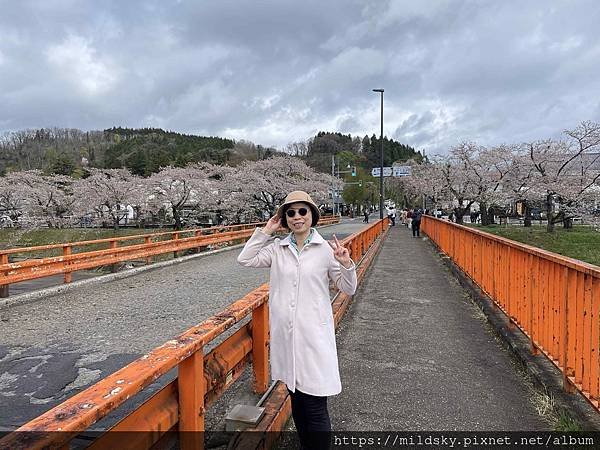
(415, 353)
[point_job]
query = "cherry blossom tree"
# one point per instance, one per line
(173, 186)
(459, 178)
(12, 196)
(565, 172)
(426, 179)
(50, 199)
(106, 193)
(263, 185)
(489, 170)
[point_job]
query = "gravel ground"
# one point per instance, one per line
(54, 347)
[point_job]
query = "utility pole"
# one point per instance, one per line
(333, 192)
(381, 159)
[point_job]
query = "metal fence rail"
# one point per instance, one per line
(201, 379)
(553, 299)
(154, 244)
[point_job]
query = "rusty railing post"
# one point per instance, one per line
(533, 292)
(197, 234)
(66, 252)
(190, 384)
(113, 244)
(175, 237)
(260, 347)
(4, 287)
(567, 385)
(148, 241)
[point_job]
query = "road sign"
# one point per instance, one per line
(402, 171)
(387, 171)
(397, 171)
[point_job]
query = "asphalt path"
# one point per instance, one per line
(58, 345)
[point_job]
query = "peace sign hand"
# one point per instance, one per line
(341, 253)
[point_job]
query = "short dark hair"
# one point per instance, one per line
(315, 215)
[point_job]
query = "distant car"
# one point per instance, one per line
(538, 214)
(6, 222)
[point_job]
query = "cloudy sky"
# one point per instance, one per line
(278, 71)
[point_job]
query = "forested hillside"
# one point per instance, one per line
(348, 150)
(144, 151)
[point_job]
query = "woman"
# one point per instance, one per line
(302, 342)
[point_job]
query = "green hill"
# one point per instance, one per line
(145, 151)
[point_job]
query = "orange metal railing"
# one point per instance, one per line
(154, 244)
(180, 405)
(553, 299)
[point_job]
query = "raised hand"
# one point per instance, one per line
(272, 225)
(341, 253)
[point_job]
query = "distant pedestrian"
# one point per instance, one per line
(403, 216)
(366, 213)
(302, 334)
(409, 216)
(392, 215)
(416, 222)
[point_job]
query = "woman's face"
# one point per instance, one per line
(299, 223)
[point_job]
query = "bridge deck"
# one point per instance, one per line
(414, 352)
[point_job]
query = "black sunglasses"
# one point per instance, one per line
(292, 212)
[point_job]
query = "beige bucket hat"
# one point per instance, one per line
(295, 197)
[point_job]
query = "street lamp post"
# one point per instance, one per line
(381, 159)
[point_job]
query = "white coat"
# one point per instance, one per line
(303, 351)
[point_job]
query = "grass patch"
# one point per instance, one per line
(580, 242)
(566, 423)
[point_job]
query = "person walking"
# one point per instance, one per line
(403, 214)
(366, 213)
(416, 222)
(391, 213)
(302, 335)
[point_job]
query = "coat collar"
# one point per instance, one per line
(316, 239)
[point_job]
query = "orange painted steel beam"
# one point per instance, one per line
(4, 286)
(67, 263)
(260, 347)
(222, 366)
(31, 269)
(145, 425)
(84, 409)
(553, 299)
(225, 363)
(210, 230)
(191, 388)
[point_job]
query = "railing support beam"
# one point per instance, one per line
(191, 402)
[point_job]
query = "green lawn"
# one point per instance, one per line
(581, 242)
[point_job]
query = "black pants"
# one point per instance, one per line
(312, 420)
(416, 226)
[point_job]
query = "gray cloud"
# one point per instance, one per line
(278, 71)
